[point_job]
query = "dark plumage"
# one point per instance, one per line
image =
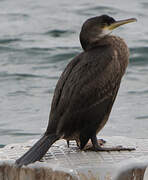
(86, 90)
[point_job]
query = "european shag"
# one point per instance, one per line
(85, 93)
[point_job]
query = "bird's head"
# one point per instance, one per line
(98, 27)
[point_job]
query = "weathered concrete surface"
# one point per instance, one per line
(62, 163)
(10, 172)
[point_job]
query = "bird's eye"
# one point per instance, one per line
(104, 24)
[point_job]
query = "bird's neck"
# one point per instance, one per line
(103, 41)
(88, 43)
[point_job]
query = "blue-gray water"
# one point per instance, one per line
(37, 40)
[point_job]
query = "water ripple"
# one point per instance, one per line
(58, 33)
(144, 5)
(139, 56)
(15, 132)
(101, 9)
(10, 40)
(20, 76)
(2, 145)
(142, 117)
(139, 92)
(14, 16)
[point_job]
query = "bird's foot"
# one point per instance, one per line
(116, 148)
(96, 146)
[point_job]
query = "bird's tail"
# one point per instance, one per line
(36, 152)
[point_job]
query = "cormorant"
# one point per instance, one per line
(85, 93)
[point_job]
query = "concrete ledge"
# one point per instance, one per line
(10, 172)
(62, 163)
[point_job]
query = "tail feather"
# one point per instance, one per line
(36, 152)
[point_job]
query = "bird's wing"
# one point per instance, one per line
(89, 79)
(60, 86)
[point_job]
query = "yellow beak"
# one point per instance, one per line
(119, 23)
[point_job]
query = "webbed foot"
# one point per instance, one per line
(97, 147)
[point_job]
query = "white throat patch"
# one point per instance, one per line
(105, 32)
